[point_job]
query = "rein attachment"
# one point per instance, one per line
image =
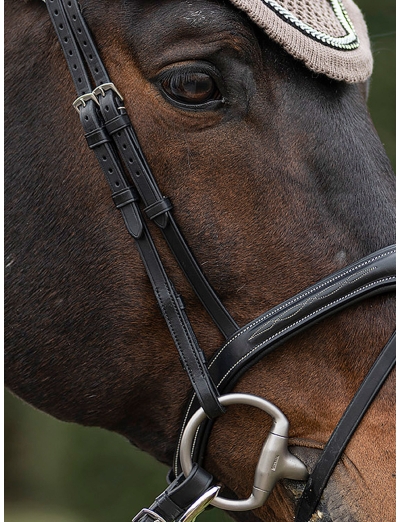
(275, 461)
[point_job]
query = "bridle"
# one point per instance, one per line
(110, 135)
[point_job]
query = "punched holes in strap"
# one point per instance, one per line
(159, 207)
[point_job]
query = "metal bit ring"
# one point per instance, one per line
(275, 461)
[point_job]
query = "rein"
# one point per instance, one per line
(110, 135)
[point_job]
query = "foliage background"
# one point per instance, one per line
(62, 472)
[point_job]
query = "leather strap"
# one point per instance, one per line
(344, 430)
(180, 495)
(158, 209)
(372, 275)
(70, 47)
(76, 40)
(125, 197)
(170, 303)
(71, 13)
(110, 135)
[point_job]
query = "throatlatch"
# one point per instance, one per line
(109, 133)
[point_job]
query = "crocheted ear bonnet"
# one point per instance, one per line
(329, 36)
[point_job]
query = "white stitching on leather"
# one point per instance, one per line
(315, 297)
(299, 297)
(354, 292)
(268, 314)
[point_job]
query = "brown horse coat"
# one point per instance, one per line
(283, 183)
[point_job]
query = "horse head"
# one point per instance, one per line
(276, 177)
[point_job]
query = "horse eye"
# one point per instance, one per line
(194, 88)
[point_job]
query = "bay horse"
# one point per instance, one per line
(277, 179)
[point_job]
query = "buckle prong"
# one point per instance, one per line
(81, 100)
(101, 90)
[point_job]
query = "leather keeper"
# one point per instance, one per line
(125, 197)
(118, 123)
(97, 137)
(159, 207)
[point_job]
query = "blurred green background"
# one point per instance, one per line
(61, 472)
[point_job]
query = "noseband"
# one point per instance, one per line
(110, 135)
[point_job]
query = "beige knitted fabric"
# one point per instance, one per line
(329, 36)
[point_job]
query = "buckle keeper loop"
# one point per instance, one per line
(124, 197)
(159, 207)
(97, 137)
(118, 123)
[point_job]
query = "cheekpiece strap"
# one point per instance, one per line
(110, 136)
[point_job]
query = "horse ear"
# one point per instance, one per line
(364, 88)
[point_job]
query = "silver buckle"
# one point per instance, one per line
(200, 505)
(81, 100)
(155, 516)
(101, 90)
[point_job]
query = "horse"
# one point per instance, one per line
(277, 179)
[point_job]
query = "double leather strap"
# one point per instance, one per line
(82, 58)
(171, 305)
(109, 133)
(107, 128)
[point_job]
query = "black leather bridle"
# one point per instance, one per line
(110, 135)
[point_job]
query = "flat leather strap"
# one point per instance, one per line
(178, 497)
(158, 209)
(372, 275)
(70, 47)
(80, 51)
(70, 10)
(344, 430)
(170, 303)
(75, 40)
(114, 142)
